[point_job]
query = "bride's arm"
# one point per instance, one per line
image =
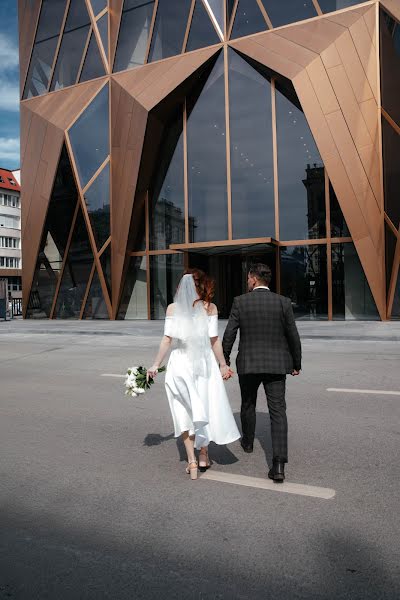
(218, 352)
(165, 345)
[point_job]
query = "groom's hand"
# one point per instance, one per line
(294, 372)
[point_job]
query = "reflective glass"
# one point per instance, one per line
(54, 239)
(169, 29)
(50, 20)
(304, 280)
(76, 273)
(93, 66)
(40, 67)
(46, 39)
(390, 65)
(207, 158)
(229, 8)
(289, 11)
(133, 36)
(167, 211)
(252, 173)
(217, 9)
(89, 137)
(351, 295)
(390, 247)
(98, 5)
(338, 224)
(166, 271)
(95, 307)
(97, 198)
(331, 5)
(391, 171)
(105, 260)
(69, 58)
(102, 25)
(396, 301)
(248, 19)
(78, 16)
(202, 31)
(134, 297)
(301, 175)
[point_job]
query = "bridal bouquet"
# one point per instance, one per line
(136, 381)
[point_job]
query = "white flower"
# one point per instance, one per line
(139, 390)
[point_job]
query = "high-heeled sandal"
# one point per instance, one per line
(191, 469)
(204, 461)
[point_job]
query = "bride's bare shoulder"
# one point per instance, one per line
(212, 309)
(170, 310)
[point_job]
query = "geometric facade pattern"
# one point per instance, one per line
(158, 134)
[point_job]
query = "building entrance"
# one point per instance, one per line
(229, 267)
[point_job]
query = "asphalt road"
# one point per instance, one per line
(95, 502)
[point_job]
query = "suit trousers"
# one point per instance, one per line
(275, 387)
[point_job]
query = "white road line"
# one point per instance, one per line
(266, 484)
(353, 391)
(112, 375)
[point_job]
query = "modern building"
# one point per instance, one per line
(10, 232)
(157, 135)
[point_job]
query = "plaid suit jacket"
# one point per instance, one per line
(269, 340)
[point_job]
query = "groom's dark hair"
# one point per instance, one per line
(262, 272)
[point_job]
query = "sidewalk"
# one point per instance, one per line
(324, 330)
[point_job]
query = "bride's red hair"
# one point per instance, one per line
(205, 285)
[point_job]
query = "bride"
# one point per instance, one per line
(194, 382)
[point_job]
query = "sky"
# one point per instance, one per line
(9, 85)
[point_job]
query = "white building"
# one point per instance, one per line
(10, 231)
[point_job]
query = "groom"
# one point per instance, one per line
(269, 348)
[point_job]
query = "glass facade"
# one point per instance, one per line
(229, 173)
(304, 280)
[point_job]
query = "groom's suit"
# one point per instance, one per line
(269, 348)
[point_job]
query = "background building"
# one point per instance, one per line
(10, 232)
(172, 133)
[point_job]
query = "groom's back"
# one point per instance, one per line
(269, 340)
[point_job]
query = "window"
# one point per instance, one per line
(9, 242)
(9, 262)
(11, 181)
(7, 221)
(8, 200)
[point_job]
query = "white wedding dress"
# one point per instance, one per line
(199, 403)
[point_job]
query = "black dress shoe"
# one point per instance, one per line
(277, 473)
(247, 447)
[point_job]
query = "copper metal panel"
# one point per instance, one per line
(322, 86)
(125, 163)
(315, 35)
(25, 123)
(349, 106)
(367, 54)
(330, 57)
(115, 13)
(371, 23)
(348, 17)
(356, 173)
(62, 107)
(39, 168)
(290, 50)
(354, 68)
(370, 111)
(28, 14)
(273, 60)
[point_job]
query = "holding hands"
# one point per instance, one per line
(226, 372)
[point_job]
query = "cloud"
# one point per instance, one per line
(9, 150)
(9, 83)
(9, 58)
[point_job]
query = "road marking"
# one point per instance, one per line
(266, 484)
(352, 391)
(112, 375)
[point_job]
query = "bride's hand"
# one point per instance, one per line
(152, 372)
(225, 372)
